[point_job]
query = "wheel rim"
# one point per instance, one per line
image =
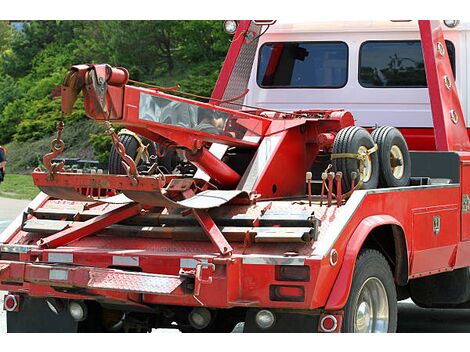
(371, 313)
(396, 162)
(367, 172)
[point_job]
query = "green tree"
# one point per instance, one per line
(34, 60)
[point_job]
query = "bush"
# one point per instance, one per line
(24, 157)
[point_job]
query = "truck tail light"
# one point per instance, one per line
(293, 273)
(11, 303)
(287, 293)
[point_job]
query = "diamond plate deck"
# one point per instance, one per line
(134, 282)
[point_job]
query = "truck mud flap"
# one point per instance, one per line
(35, 316)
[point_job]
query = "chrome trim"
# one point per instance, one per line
(333, 328)
(257, 259)
(125, 261)
(410, 188)
(58, 274)
(333, 252)
(16, 248)
(60, 257)
(15, 301)
(371, 308)
(191, 263)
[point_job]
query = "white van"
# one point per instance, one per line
(374, 69)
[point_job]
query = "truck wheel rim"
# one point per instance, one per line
(371, 313)
(396, 162)
(367, 172)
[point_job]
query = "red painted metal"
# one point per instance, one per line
(90, 227)
(230, 61)
(219, 171)
(340, 292)
(213, 232)
(235, 270)
(450, 134)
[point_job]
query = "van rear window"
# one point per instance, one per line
(303, 65)
(395, 64)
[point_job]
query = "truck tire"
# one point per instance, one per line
(394, 157)
(372, 302)
(353, 140)
(131, 145)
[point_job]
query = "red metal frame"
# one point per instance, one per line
(234, 270)
(230, 61)
(91, 226)
(449, 134)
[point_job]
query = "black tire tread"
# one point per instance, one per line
(380, 136)
(130, 144)
(367, 260)
(343, 140)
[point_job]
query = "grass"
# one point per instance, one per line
(25, 157)
(18, 187)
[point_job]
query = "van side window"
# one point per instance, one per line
(303, 65)
(395, 64)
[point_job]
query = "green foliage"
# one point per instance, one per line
(101, 146)
(18, 187)
(34, 60)
(25, 156)
(201, 78)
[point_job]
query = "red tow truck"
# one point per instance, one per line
(216, 213)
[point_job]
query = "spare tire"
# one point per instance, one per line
(131, 144)
(354, 140)
(394, 157)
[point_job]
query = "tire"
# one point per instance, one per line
(351, 140)
(372, 274)
(131, 145)
(392, 147)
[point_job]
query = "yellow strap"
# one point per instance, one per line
(359, 156)
(142, 150)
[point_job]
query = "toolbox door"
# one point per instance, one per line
(435, 235)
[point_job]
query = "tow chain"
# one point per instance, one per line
(127, 162)
(142, 150)
(57, 146)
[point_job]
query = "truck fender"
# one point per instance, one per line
(339, 294)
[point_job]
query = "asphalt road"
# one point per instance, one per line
(410, 317)
(9, 209)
